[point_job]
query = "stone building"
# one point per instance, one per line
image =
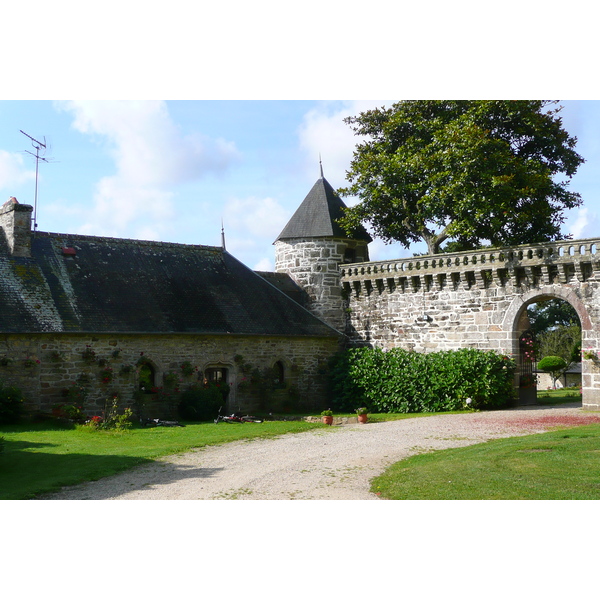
(93, 312)
(311, 248)
(473, 299)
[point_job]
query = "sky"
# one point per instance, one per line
(177, 171)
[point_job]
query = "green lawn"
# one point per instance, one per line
(558, 465)
(558, 396)
(42, 458)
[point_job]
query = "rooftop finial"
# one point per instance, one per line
(222, 235)
(321, 166)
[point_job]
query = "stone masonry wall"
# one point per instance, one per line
(474, 300)
(45, 365)
(314, 265)
(15, 224)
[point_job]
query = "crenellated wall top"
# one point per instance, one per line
(529, 255)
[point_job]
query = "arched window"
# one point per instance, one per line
(216, 375)
(279, 374)
(219, 377)
(146, 378)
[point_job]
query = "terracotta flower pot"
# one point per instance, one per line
(363, 418)
(328, 420)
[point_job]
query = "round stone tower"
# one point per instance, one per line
(311, 248)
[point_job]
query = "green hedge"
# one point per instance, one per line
(402, 381)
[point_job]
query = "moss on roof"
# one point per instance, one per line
(119, 285)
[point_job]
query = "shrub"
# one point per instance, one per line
(11, 404)
(71, 411)
(111, 418)
(201, 403)
(554, 365)
(402, 381)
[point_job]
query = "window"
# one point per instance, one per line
(146, 378)
(216, 375)
(279, 374)
(350, 255)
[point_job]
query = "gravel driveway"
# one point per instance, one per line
(332, 464)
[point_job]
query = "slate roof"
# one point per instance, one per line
(317, 216)
(284, 283)
(75, 283)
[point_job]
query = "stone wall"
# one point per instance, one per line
(314, 265)
(15, 223)
(474, 299)
(45, 365)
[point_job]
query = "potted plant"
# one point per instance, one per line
(362, 414)
(327, 417)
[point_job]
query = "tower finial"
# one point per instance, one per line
(223, 235)
(321, 166)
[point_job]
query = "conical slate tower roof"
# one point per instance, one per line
(317, 216)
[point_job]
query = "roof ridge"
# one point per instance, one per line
(91, 238)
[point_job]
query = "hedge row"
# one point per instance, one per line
(402, 381)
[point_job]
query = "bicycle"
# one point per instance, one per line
(237, 418)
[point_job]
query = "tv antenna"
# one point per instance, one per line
(40, 149)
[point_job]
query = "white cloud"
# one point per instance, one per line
(263, 218)
(323, 132)
(13, 171)
(585, 225)
(251, 226)
(152, 157)
(264, 264)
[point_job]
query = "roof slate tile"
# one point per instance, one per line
(119, 285)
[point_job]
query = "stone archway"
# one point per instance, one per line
(515, 322)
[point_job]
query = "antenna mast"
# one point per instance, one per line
(37, 145)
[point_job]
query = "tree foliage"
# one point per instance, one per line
(470, 172)
(557, 329)
(555, 365)
(549, 314)
(564, 341)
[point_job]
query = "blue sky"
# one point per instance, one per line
(172, 170)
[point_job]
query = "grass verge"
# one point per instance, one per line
(558, 465)
(558, 396)
(42, 458)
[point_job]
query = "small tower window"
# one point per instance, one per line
(350, 255)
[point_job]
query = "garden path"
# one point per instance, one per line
(331, 464)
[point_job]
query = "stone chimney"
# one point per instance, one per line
(15, 222)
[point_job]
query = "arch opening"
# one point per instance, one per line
(548, 326)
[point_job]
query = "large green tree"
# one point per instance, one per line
(557, 329)
(546, 315)
(470, 172)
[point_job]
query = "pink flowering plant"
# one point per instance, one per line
(106, 374)
(187, 368)
(527, 347)
(89, 355)
(29, 362)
